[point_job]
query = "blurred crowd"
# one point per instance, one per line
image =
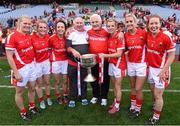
(175, 6)
(142, 14)
(9, 5)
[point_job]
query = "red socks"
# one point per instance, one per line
(31, 105)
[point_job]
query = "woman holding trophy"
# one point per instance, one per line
(117, 63)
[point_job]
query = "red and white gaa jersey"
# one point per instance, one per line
(41, 47)
(58, 48)
(157, 49)
(22, 46)
(174, 38)
(98, 41)
(136, 45)
(115, 44)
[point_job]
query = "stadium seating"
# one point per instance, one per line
(4, 10)
(39, 9)
(163, 12)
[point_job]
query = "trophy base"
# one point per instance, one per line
(89, 78)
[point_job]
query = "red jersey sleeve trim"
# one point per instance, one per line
(9, 37)
(69, 49)
(126, 52)
(171, 50)
(121, 48)
(70, 62)
(9, 48)
(52, 36)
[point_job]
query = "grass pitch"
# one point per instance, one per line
(91, 114)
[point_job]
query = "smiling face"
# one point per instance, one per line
(78, 24)
(42, 28)
(24, 25)
(130, 23)
(154, 25)
(111, 26)
(96, 22)
(60, 28)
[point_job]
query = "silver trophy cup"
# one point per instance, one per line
(88, 61)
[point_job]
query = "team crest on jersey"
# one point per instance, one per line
(115, 42)
(97, 32)
(43, 43)
(141, 38)
(132, 41)
(160, 44)
(110, 43)
(61, 45)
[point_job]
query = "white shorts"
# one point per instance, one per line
(59, 67)
(28, 73)
(177, 52)
(154, 79)
(115, 71)
(137, 69)
(43, 68)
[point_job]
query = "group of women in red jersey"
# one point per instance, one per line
(50, 51)
(142, 52)
(149, 53)
(30, 58)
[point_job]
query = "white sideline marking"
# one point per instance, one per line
(89, 89)
(176, 78)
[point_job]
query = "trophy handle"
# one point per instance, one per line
(77, 59)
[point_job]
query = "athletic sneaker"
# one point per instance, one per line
(151, 121)
(66, 99)
(135, 114)
(72, 104)
(25, 116)
(94, 100)
(49, 101)
(112, 105)
(103, 102)
(42, 105)
(59, 100)
(84, 102)
(113, 110)
(130, 110)
(35, 111)
(153, 107)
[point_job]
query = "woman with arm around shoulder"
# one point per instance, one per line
(59, 59)
(117, 63)
(20, 55)
(40, 41)
(135, 41)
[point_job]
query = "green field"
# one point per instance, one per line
(91, 114)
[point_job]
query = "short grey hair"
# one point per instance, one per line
(96, 15)
(77, 18)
